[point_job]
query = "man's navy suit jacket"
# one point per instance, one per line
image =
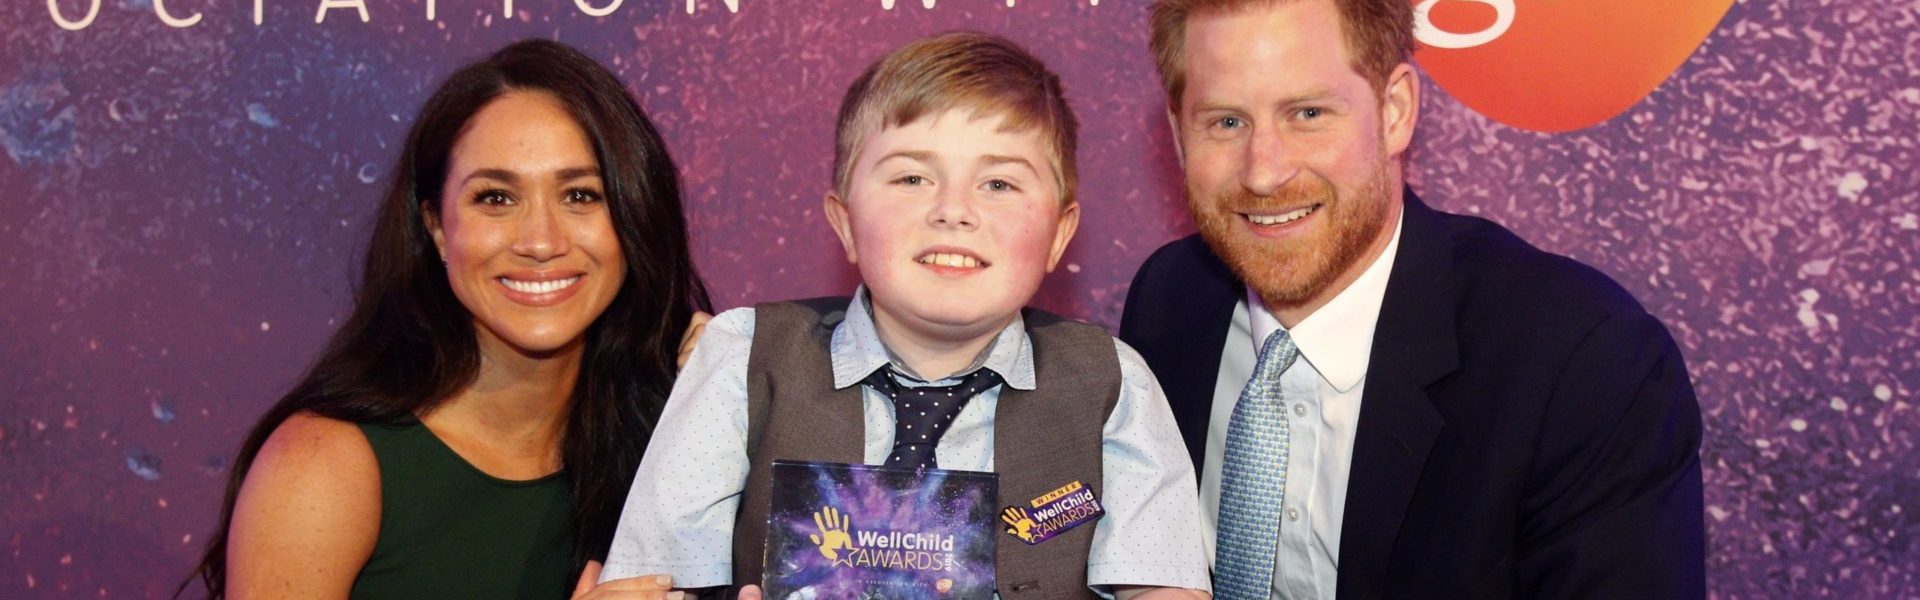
(1526, 430)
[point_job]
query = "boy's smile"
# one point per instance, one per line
(951, 261)
(952, 222)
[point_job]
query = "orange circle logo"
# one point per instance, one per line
(1557, 65)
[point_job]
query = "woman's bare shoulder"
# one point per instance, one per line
(308, 513)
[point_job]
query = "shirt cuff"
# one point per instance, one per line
(1102, 576)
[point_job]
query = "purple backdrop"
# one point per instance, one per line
(184, 207)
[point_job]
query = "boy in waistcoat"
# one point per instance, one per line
(954, 196)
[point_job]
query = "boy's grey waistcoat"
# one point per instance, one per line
(1042, 439)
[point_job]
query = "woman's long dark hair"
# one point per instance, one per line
(410, 344)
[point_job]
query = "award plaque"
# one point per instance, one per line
(860, 531)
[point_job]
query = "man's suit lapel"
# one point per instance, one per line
(1211, 292)
(1414, 345)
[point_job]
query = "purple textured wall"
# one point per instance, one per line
(183, 209)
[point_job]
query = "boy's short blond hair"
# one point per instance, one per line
(986, 73)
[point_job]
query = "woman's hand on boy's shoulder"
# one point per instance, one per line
(691, 338)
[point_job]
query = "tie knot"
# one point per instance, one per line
(1276, 355)
(923, 414)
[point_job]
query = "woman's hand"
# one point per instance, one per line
(691, 338)
(644, 587)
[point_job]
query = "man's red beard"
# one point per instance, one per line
(1292, 273)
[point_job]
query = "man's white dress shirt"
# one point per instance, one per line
(1322, 391)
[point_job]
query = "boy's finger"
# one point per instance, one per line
(751, 592)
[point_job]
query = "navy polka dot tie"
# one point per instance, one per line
(922, 414)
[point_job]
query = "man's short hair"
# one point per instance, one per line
(985, 73)
(1379, 36)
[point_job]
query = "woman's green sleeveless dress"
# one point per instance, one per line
(448, 530)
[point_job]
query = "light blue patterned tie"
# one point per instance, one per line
(1253, 480)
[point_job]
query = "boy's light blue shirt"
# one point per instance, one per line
(679, 515)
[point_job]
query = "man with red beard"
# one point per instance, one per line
(1383, 400)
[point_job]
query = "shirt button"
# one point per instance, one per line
(1300, 409)
(1293, 514)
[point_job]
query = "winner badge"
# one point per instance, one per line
(1052, 513)
(859, 531)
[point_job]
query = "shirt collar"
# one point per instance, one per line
(1337, 339)
(857, 350)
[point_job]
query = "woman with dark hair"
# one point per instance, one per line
(472, 429)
